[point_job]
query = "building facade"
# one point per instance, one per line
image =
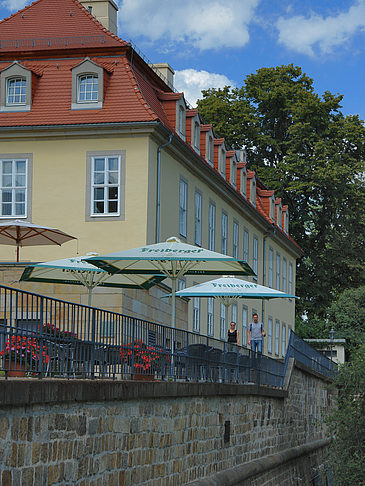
(95, 141)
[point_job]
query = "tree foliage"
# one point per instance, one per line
(301, 145)
(347, 423)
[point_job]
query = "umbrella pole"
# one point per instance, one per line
(17, 252)
(90, 291)
(173, 317)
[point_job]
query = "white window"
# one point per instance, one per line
(244, 325)
(223, 321)
(197, 136)
(196, 314)
(283, 340)
(183, 207)
(234, 313)
(211, 242)
(13, 188)
(233, 172)
(244, 182)
(290, 278)
(181, 121)
(277, 337)
(87, 88)
(269, 336)
(235, 239)
(224, 233)
(284, 289)
(255, 255)
(105, 183)
(278, 265)
(210, 324)
(253, 192)
(210, 150)
(271, 267)
(279, 216)
(198, 219)
(245, 246)
(16, 92)
(222, 162)
(272, 208)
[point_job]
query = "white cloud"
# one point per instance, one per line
(303, 34)
(201, 24)
(191, 83)
(14, 5)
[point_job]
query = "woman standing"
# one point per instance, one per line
(233, 336)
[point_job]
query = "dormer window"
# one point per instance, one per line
(244, 182)
(210, 150)
(222, 162)
(233, 172)
(197, 136)
(279, 215)
(180, 118)
(253, 192)
(16, 92)
(286, 222)
(272, 208)
(87, 86)
(16, 83)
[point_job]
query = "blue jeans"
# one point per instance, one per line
(256, 345)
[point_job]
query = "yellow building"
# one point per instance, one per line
(96, 142)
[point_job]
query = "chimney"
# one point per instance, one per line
(165, 71)
(105, 11)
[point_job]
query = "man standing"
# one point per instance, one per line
(255, 333)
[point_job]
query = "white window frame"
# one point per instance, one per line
(235, 239)
(80, 88)
(211, 235)
(16, 91)
(105, 186)
(87, 68)
(183, 207)
(244, 182)
(269, 334)
(8, 75)
(234, 313)
(272, 208)
(222, 162)
(284, 279)
(278, 270)
(196, 128)
(223, 321)
(244, 325)
(271, 268)
(233, 172)
(277, 337)
(13, 188)
(283, 340)
(224, 233)
(279, 216)
(290, 288)
(253, 192)
(181, 119)
(210, 150)
(196, 314)
(198, 219)
(255, 255)
(246, 252)
(210, 316)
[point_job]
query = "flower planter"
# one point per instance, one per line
(143, 377)
(18, 372)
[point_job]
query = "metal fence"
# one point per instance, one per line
(46, 337)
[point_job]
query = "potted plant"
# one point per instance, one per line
(23, 353)
(145, 360)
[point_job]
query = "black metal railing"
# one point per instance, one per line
(54, 42)
(45, 337)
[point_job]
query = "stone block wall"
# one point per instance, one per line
(58, 432)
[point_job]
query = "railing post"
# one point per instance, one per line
(93, 342)
(41, 341)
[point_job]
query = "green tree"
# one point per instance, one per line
(347, 423)
(302, 146)
(347, 316)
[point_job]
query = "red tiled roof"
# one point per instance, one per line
(47, 23)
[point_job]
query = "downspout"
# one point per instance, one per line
(266, 235)
(158, 190)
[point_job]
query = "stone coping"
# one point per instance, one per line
(30, 391)
(236, 475)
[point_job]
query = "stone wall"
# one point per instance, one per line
(59, 432)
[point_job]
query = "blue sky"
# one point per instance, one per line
(211, 44)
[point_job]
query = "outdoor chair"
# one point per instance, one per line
(197, 362)
(214, 363)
